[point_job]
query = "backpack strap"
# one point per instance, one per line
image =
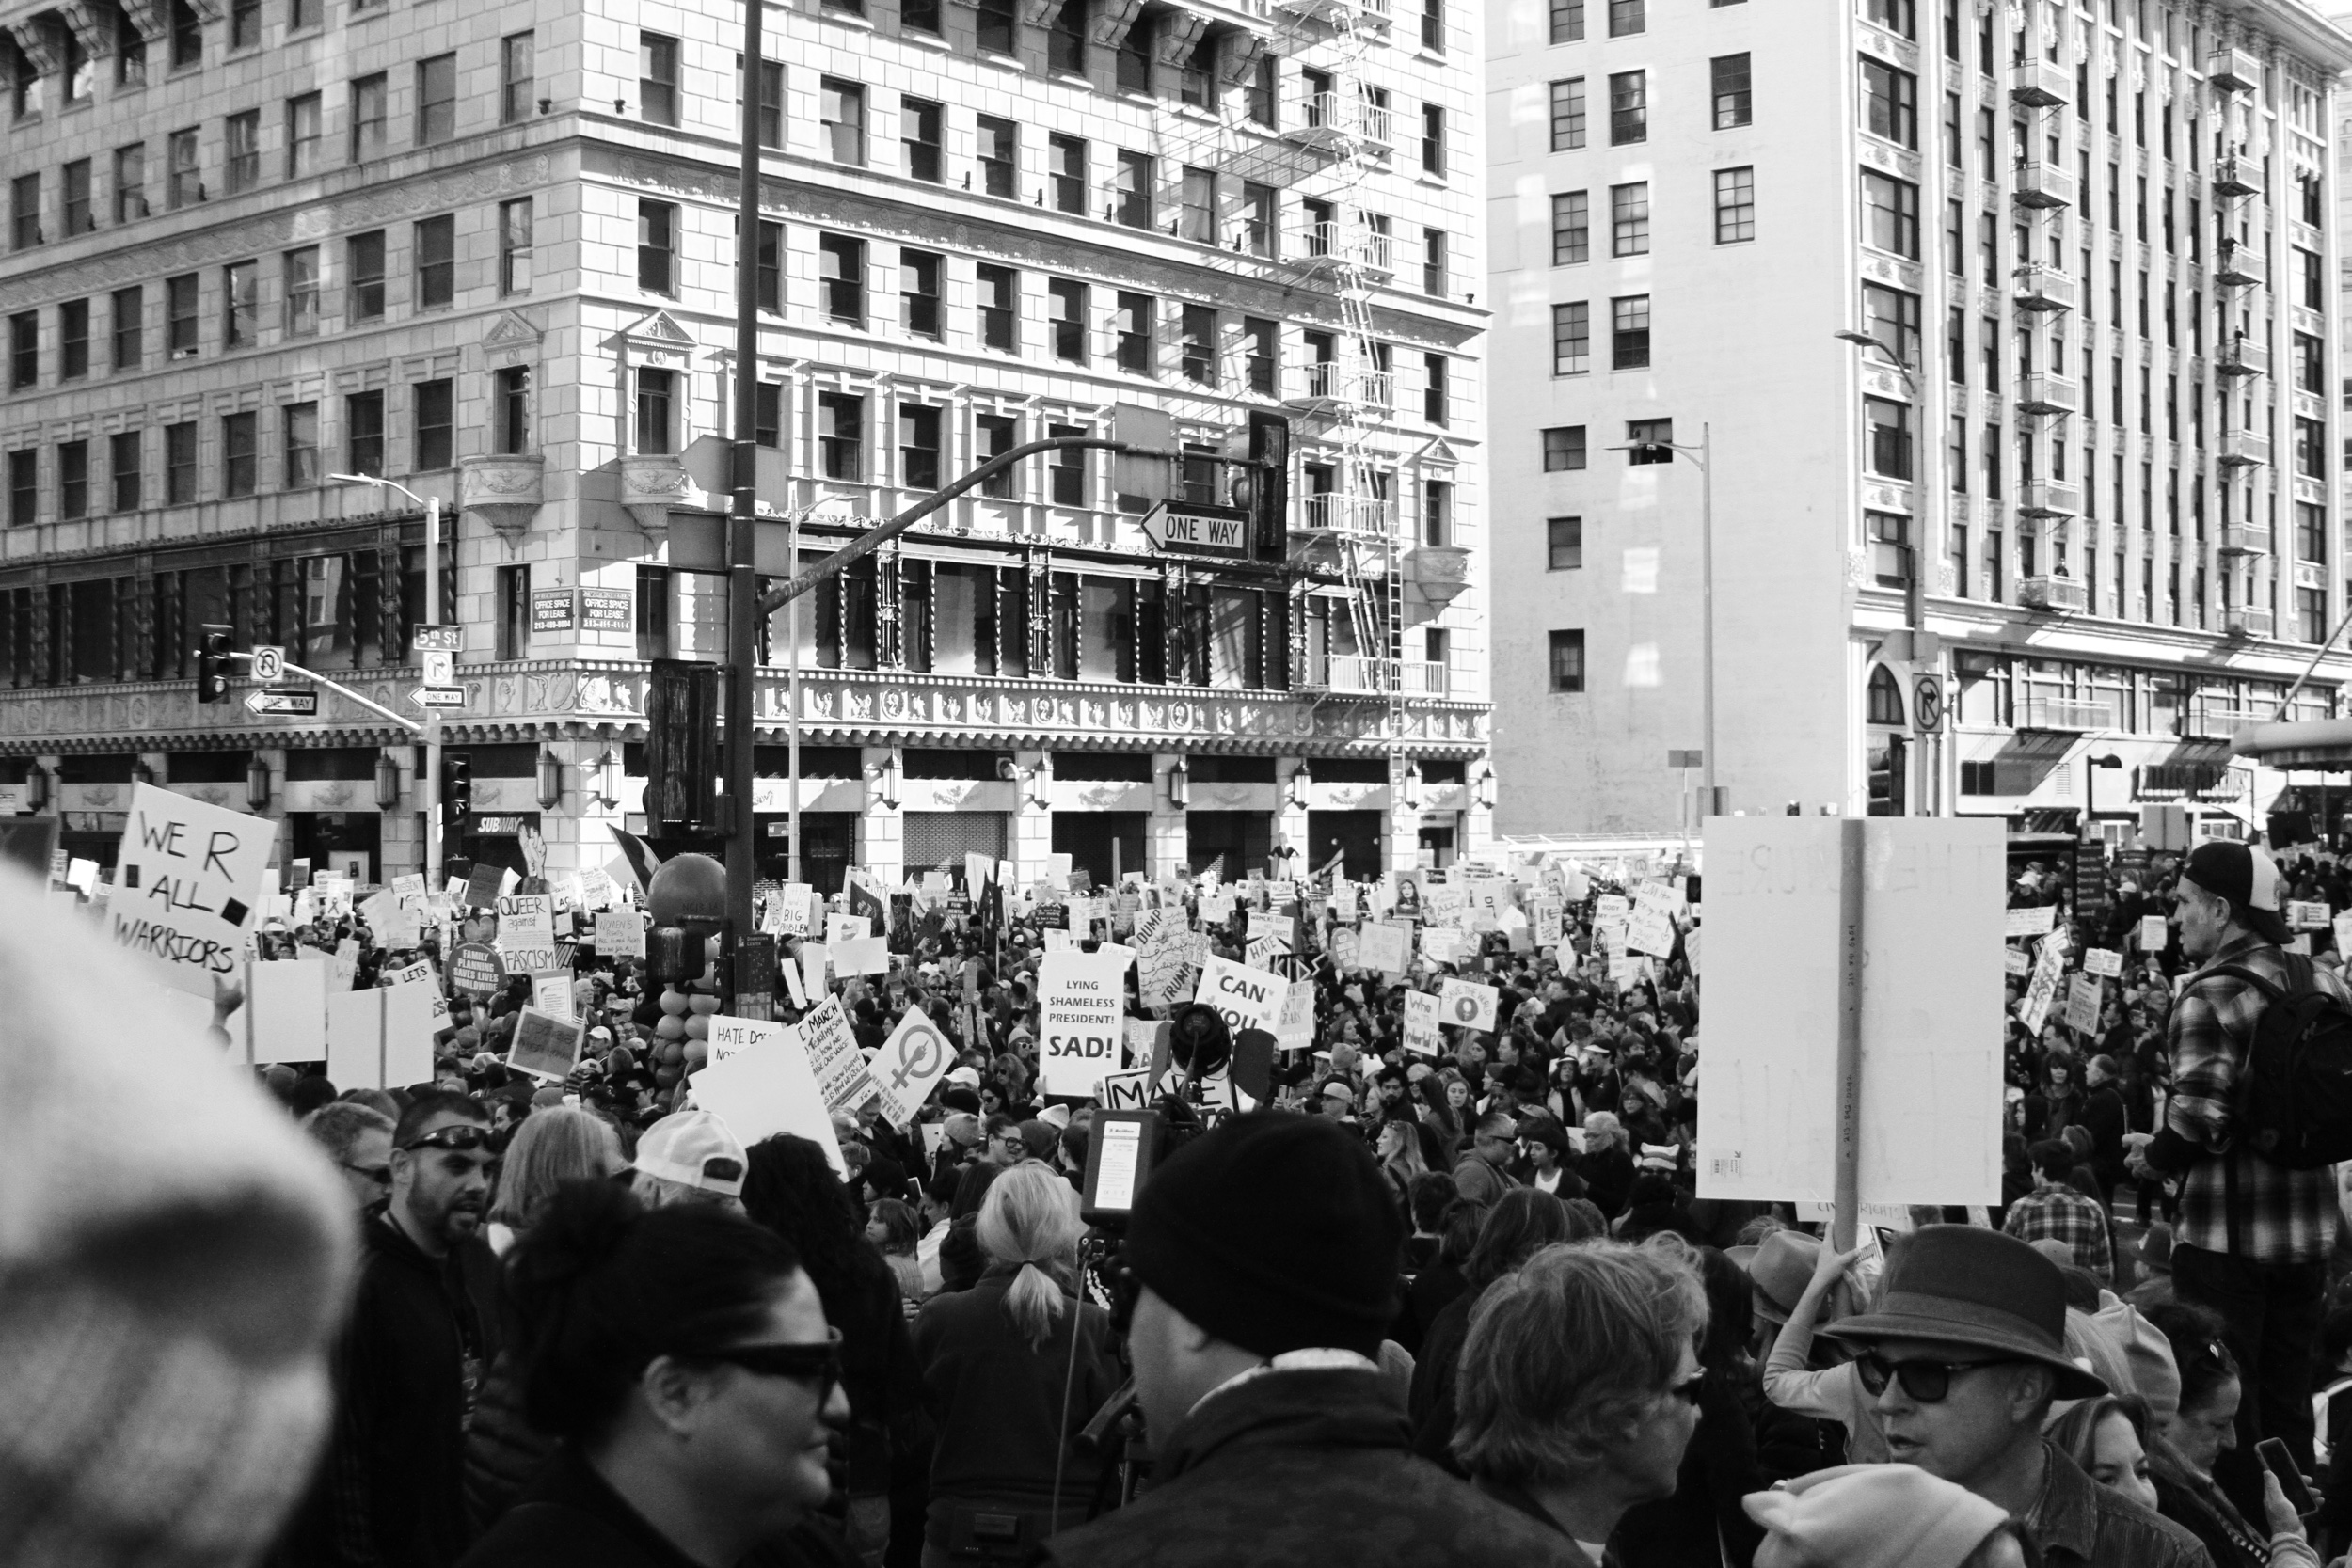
(2271, 993)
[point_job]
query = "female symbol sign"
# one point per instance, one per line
(910, 1062)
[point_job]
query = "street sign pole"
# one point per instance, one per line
(429, 777)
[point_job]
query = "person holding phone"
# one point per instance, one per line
(2183, 1450)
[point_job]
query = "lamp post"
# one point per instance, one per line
(1704, 455)
(429, 776)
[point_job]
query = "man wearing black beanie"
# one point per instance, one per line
(1267, 1253)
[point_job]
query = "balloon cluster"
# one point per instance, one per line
(684, 1032)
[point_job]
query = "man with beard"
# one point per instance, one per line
(424, 1327)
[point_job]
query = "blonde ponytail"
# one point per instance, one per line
(1031, 1217)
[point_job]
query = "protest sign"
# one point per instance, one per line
(2152, 933)
(334, 894)
(847, 927)
(545, 1046)
(814, 963)
(1442, 946)
(526, 923)
(1612, 907)
(2042, 989)
(1146, 1041)
(596, 891)
(420, 972)
(2082, 1003)
(2032, 921)
(910, 1064)
(2307, 915)
(792, 973)
(1127, 1091)
(861, 956)
(834, 1058)
(1266, 953)
(1245, 998)
(1650, 930)
(620, 934)
(1548, 916)
(1165, 965)
(764, 1086)
(1468, 1003)
(284, 1015)
(1081, 1005)
(1385, 948)
(474, 968)
(551, 991)
(2103, 962)
(1346, 948)
(2344, 932)
(1296, 1029)
(1421, 1024)
(403, 927)
(482, 886)
(2016, 962)
(189, 877)
(1925, 957)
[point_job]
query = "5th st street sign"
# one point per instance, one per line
(1194, 528)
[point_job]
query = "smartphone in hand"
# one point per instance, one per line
(2281, 1463)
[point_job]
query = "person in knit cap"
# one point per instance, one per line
(174, 1257)
(1881, 1516)
(1265, 1252)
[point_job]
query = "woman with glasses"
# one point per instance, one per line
(682, 1359)
(2186, 1447)
(1579, 1385)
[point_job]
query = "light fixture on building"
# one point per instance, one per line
(1484, 794)
(1179, 784)
(550, 779)
(1412, 786)
(37, 787)
(1301, 776)
(141, 772)
(885, 776)
(387, 781)
(257, 783)
(605, 792)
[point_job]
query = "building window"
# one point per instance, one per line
(1567, 115)
(842, 118)
(301, 270)
(125, 456)
(1567, 20)
(1889, 425)
(363, 432)
(187, 36)
(1195, 344)
(1433, 25)
(1627, 18)
(657, 78)
(1433, 140)
(181, 297)
(1564, 543)
(1132, 200)
(245, 27)
(1571, 229)
(1890, 102)
(305, 135)
(921, 139)
(999, 300)
(369, 115)
(841, 435)
(1066, 302)
(179, 463)
(1896, 16)
(920, 275)
(1628, 219)
(1628, 332)
(131, 183)
(24, 350)
(514, 246)
(1567, 660)
(999, 142)
(1066, 39)
(1890, 213)
(130, 52)
(656, 247)
(79, 217)
(510, 410)
(433, 420)
(517, 86)
(995, 30)
(240, 453)
(2310, 449)
(1132, 69)
(1196, 206)
(241, 304)
(1068, 157)
(1892, 317)
(437, 100)
(1571, 338)
(1258, 340)
(129, 321)
(1735, 205)
(183, 180)
(1434, 407)
(513, 634)
(1729, 81)
(768, 287)
(2311, 609)
(657, 402)
(73, 340)
(994, 434)
(841, 276)
(1629, 107)
(363, 258)
(72, 479)
(1434, 279)
(768, 415)
(1563, 448)
(436, 243)
(919, 446)
(24, 212)
(242, 161)
(1135, 312)
(24, 488)
(300, 423)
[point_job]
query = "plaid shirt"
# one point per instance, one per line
(2282, 1216)
(2054, 1208)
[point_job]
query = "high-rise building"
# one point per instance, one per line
(490, 256)
(2002, 332)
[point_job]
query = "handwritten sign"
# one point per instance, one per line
(526, 922)
(1385, 948)
(2307, 914)
(763, 1086)
(1421, 1024)
(2152, 935)
(2033, 921)
(620, 934)
(545, 1046)
(834, 1058)
(1468, 1003)
(188, 881)
(2104, 961)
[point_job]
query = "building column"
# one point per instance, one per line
(1164, 835)
(1032, 837)
(880, 849)
(400, 830)
(1477, 829)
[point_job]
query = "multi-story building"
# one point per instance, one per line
(490, 255)
(2003, 331)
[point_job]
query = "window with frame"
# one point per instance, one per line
(181, 297)
(657, 410)
(371, 116)
(514, 246)
(437, 100)
(435, 245)
(1563, 448)
(993, 436)
(1571, 229)
(1066, 38)
(241, 304)
(1195, 344)
(1196, 206)
(518, 79)
(180, 463)
(1892, 316)
(127, 316)
(1899, 17)
(433, 423)
(1567, 20)
(130, 52)
(1435, 279)
(996, 28)
(919, 446)
(841, 119)
(921, 138)
(1133, 322)
(1564, 543)
(1261, 367)
(1066, 467)
(1067, 158)
(24, 488)
(1066, 319)
(841, 435)
(1565, 660)
(1735, 204)
(1888, 448)
(2310, 449)
(245, 27)
(2311, 531)
(510, 410)
(1628, 332)
(363, 261)
(1434, 405)
(768, 286)
(999, 145)
(300, 270)
(656, 247)
(24, 350)
(768, 415)
(306, 135)
(184, 178)
(1433, 139)
(920, 276)
(300, 423)
(1131, 68)
(657, 78)
(1000, 308)
(1259, 220)
(130, 182)
(1132, 199)
(363, 432)
(1628, 219)
(1567, 115)
(1890, 213)
(72, 479)
(240, 453)
(1627, 18)
(24, 212)
(73, 340)
(1730, 86)
(841, 278)
(1629, 107)
(1890, 102)
(1571, 338)
(79, 216)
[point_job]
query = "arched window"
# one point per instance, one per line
(1886, 697)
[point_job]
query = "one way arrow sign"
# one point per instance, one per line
(1195, 528)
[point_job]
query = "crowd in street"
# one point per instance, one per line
(1409, 1299)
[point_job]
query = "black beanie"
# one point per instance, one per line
(1274, 1232)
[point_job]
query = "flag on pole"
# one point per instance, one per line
(640, 855)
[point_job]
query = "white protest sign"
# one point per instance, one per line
(1081, 1004)
(2082, 1003)
(2042, 989)
(2105, 962)
(403, 927)
(847, 927)
(2152, 933)
(1296, 1029)
(2032, 921)
(815, 961)
(1421, 1024)
(1611, 907)
(1442, 946)
(1143, 1042)
(551, 992)
(787, 910)
(545, 1046)
(2307, 915)
(1266, 953)
(2343, 931)
(1929, 1115)
(1548, 916)
(861, 956)
(1127, 1091)
(526, 922)
(1383, 947)
(732, 1036)
(408, 889)
(1650, 930)
(420, 972)
(1468, 1003)
(1345, 949)
(914, 1058)
(764, 1086)
(2016, 962)
(620, 933)
(188, 879)
(1247, 998)
(833, 1056)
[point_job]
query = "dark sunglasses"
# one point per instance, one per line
(380, 1175)
(820, 1361)
(462, 1138)
(1925, 1381)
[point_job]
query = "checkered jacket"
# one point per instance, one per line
(2280, 1216)
(2054, 1209)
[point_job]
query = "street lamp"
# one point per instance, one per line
(1704, 455)
(429, 777)
(2090, 789)
(1863, 340)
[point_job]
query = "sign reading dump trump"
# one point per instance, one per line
(187, 886)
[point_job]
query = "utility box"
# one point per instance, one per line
(2164, 827)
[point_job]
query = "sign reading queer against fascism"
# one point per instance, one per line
(188, 885)
(1081, 1004)
(1931, 942)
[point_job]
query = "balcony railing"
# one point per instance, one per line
(2051, 498)
(2042, 288)
(2041, 84)
(2050, 394)
(1363, 675)
(2246, 539)
(2044, 186)
(2242, 356)
(2242, 449)
(2237, 266)
(2240, 620)
(2233, 70)
(1334, 120)
(2237, 177)
(2064, 713)
(1334, 513)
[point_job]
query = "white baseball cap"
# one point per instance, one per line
(694, 1149)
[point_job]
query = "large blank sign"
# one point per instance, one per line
(1933, 893)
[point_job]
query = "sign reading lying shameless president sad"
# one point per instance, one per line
(187, 886)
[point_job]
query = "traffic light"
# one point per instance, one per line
(1270, 492)
(212, 664)
(456, 790)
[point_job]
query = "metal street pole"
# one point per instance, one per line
(742, 582)
(429, 780)
(1707, 616)
(792, 732)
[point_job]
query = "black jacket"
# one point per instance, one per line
(1310, 1468)
(569, 1519)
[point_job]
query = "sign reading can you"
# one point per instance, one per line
(187, 884)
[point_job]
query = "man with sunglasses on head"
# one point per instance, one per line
(1962, 1360)
(423, 1329)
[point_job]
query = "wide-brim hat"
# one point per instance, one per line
(1779, 1268)
(1963, 1285)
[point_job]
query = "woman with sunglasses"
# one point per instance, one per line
(2184, 1449)
(682, 1358)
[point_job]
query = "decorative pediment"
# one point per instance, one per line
(658, 338)
(511, 340)
(1438, 453)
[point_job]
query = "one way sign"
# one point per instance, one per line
(1194, 528)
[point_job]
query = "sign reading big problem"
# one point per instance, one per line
(1082, 1004)
(188, 885)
